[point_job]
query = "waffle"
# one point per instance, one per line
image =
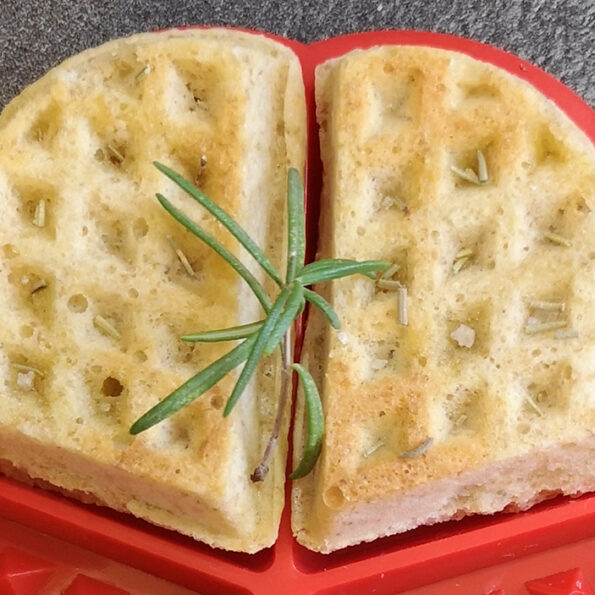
(466, 383)
(98, 282)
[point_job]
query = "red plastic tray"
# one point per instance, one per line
(51, 545)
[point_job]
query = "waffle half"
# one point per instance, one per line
(479, 395)
(98, 282)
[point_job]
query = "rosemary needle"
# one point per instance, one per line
(315, 420)
(238, 232)
(228, 334)
(193, 388)
(317, 300)
(417, 451)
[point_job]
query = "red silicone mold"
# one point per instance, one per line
(51, 545)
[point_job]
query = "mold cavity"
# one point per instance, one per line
(111, 387)
(468, 160)
(77, 303)
(140, 228)
(47, 124)
(115, 153)
(472, 248)
(400, 192)
(35, 288)
(567, 220)
(550, 390)
(395, 97)
(400, 258)
(115, 235)
(26, 331)
(29, 374)
(482, 90)
(9, 251)
(547, 148)
(39, 202)
(461, 409)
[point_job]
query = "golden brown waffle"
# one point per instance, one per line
(483, 397)
(97, 281)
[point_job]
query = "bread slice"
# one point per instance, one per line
(225, 109)
(471, 407)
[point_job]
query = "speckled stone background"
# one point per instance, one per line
(557, 35)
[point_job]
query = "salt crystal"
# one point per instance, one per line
(26, 380)
(464, 336)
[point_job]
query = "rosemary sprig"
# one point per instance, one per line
(264, 336)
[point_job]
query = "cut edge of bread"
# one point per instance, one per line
(510, 485)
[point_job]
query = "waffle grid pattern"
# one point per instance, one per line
(397, 121)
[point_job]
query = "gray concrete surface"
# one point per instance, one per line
(557, 35)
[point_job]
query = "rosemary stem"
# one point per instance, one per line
(286, 373)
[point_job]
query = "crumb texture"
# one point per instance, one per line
(481, 192)
(100, 282)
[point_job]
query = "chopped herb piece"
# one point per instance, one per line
(388, 284)
(458, 264)
(547, 306)
(482, 168)
(143, 72)
(373, 449)
(543, 327)
(25, 368)
(181, 257)
(393, 201)
(566, 334)
(466, 174)
(115, 153)
(39, 215)
(557, 239)
(38, 286)
(392, 269)
(402, 305)
(463, 252)
(417, 451)
(101, 323)
(534, 405)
